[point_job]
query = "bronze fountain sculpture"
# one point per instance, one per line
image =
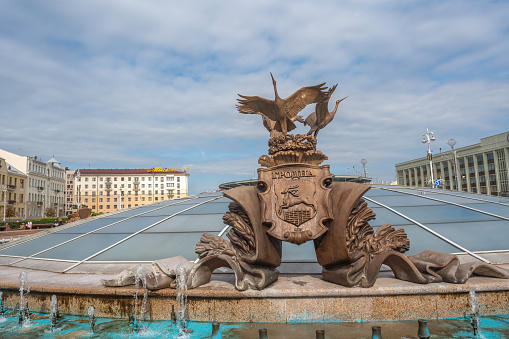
(296, 200)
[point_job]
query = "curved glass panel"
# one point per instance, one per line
(83, 247)
(304, 252)
(90, 226)
(384, 216)
(500, 210)
(37, 245)
(211, 207)
(133, 225)
(443, 213)
(162, 245)
(190, 223)
(476, 236)
(405, 200)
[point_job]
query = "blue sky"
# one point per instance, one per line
(129, 84)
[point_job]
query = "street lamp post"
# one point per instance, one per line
(364, 162)
(451, 143)
(428, 138)
(5, 192)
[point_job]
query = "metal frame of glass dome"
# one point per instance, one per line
(474, 226)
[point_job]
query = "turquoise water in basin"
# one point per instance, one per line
(78, 327)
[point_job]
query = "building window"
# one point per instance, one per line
(107, 207)
(100, 207)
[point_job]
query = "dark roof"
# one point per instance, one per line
(127, 171)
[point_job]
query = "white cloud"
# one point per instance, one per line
(133, 83)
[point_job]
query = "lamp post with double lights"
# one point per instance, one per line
(428, 138)
(452, 142)
(364, 162)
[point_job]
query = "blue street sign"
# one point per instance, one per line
(438, 182)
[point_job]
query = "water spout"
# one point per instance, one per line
(182, 300)
(140, 279)
(91, 318)
(2, 311)
(473, 299)
(24, 288)
(54, 313)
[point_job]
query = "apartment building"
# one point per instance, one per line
(12, 186)
(107, 190)
(45, 181)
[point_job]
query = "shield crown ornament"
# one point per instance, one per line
(295, 201)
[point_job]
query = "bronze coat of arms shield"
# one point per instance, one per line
(295, 201)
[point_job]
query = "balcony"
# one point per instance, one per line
(136, 189)
(40, 188)
(11, 202)
(56, 191)
(11, 187)
(39, 203)
(107, 189)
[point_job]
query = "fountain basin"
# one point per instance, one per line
(289, 300)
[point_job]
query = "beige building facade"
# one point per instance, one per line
(69, 191)
(107, 190)
(45, 182)
(479, 168)
(12, 186)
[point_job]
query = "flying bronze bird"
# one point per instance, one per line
(321, 117)
(282, 111)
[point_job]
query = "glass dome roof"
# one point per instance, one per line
(471, 225)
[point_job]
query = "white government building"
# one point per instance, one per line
(479, 168)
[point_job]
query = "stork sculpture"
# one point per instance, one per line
(321, 117)
(282, 111)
